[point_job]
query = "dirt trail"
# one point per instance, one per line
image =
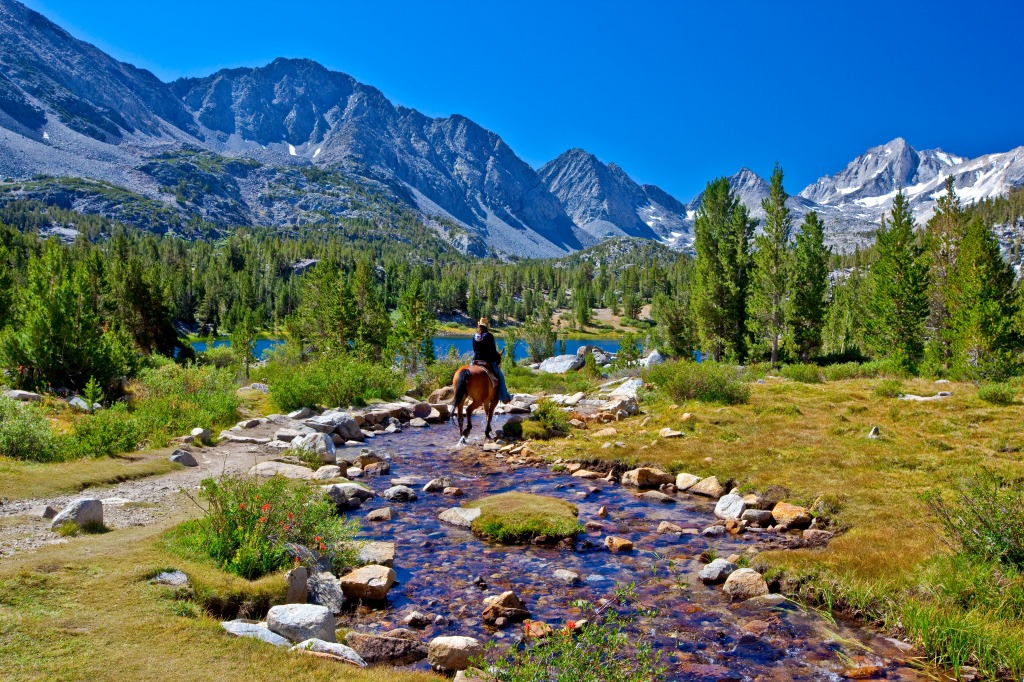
(132, 503)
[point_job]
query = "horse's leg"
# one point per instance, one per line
(469, 418)
(491, 404)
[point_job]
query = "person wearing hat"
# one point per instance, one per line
(485, 351)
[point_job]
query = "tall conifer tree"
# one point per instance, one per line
(767, 304)
(809, 286)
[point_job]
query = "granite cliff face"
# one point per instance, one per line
(293, 143)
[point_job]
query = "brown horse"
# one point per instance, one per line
(474, 382)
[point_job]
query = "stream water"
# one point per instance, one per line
(700, 634)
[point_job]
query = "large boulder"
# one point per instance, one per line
(686, 481)
(319, 443)
(438, 485)
(329, 649)
(369, 583)
(399, 493)
(268, 469)
(395, 647)
(730, 507)
(655, 358)
(298, 622)
(23, 396)
(757, 517)
(791, 516)
(560, 364)
(348, 495)
(84, 511)
(745, 583)
(339, 422)
(184, 458)
(451, 654)
(646, 477)
(708, 487)
(325, 590)
(445, 394)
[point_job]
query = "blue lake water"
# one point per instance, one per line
(463, 344)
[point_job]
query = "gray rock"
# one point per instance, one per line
(327, 472)
(418, 423)
(417, 620)
(319, 443)
(83, 511)
(348, 495)
(421, 410)
(757, 517)
(248, 424)
(246, 628)
(298, 622)
(298, 589)
(377, 552)
(646, 477)
(399, 493)
(438, 485)
(330, 648)
(396, 647)
(460, 516)
(300, 414)
(288, 435)
(242, 440)
(655, 358)
(730, 506)
(745, 583)
(874, 433)
(324, 589)
(560, 364)
(183, 457)
(686, 481)
(383, 514)
(450, 654)
(79, 404)
(23, 396)
(201, 435)
(339, 422)
(656, 496)
(713, 531)
(268, 469)
(354, 472)
(716, 572)
(170, 578)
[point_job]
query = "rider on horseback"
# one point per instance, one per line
(485, 352)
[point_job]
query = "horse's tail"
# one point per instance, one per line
(461, 387)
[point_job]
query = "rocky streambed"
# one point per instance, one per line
(445, 573)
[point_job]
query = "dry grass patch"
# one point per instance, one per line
(85, 611)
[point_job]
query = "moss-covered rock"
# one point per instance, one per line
(520, 517)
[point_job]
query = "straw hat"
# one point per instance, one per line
(482, 322)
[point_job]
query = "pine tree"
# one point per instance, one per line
(412, 337)
(982, 301)
(768, 301)
(6, 287)
(943, 234)
(898, 306)
(809, 287)
(843, 332)
(722, 232)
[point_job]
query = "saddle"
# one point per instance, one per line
(490, 372)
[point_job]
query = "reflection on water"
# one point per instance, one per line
(695, 626)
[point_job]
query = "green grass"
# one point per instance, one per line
(25, 480)
(85, 610)
(810, 441)
(519, 517)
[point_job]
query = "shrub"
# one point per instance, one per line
(998, 393)
(548, 420)
(706, 381)
(107, 432)
(171, 400)
(248, 524)
(845, 370)
(219, 356)
(25, 433)
(331, 381)
(805, 374)
(984, 518)
(520, 517)
(437, 374)
(889, 388)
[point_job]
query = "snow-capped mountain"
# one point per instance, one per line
(293, 143)
(605, 202)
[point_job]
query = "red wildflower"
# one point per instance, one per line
(241, 505)
(265, 507)
(570, 625)
(290, 515)
(263, 519)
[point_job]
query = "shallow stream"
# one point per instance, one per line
(700, 634)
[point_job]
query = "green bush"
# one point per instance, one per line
(435, 375)
(551, 417)
(889, 388)
(248, 524)
(25, 433)
(806, 374)
(705, 381)
(218, 356)
(599, 649)
(984, 518)
(525, 380)
(998, 393)
(519, 517)
(330, 382)
(171, 400)
(106, 432)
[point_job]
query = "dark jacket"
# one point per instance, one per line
(484, 348)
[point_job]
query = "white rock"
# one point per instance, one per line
(655, 358)
(319, 443)
(23, 396)
(268, 469)
(301, 413)
(451, 654)
(200, 434)
(560, 364)
(298, 622)
(686, 481)
(242, 628)
(460, 516)
(716, 572)
(348, 495)
(566, 576)
(82, 511)
(730, 506)
(331, 648)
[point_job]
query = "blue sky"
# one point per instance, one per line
(674, 92)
